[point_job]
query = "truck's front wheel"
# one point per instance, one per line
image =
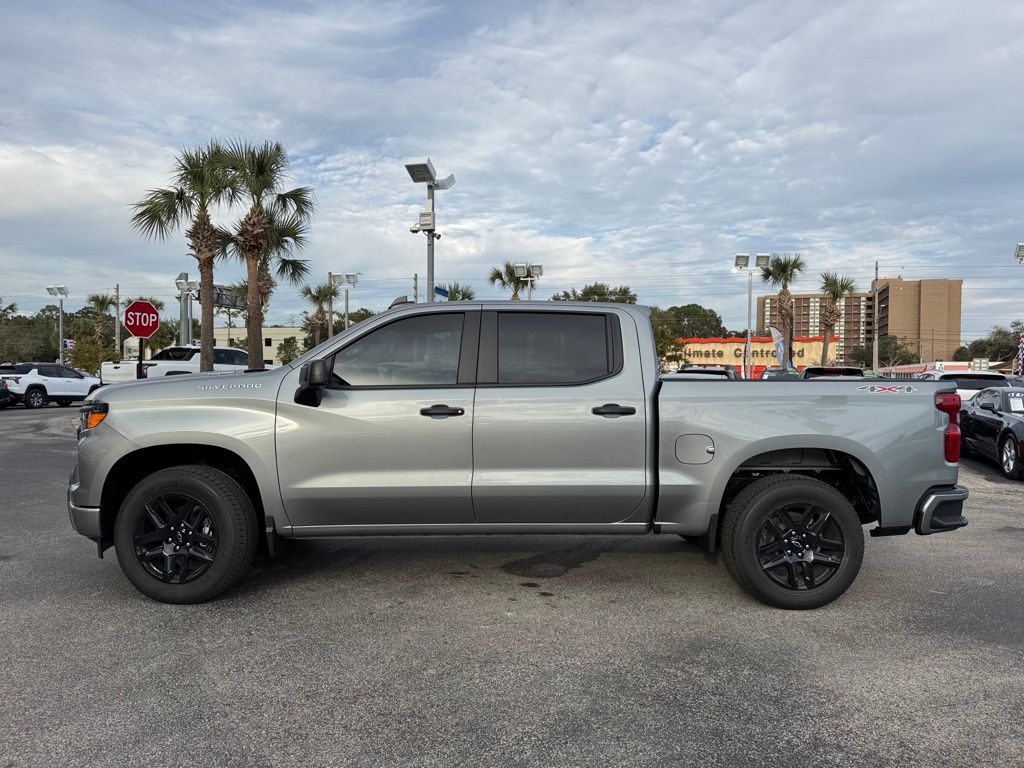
(186, 534)
(792, 541)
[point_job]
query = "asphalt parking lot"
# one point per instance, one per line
(503, 651)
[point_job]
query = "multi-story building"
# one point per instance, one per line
(924, 314)
(853, 327)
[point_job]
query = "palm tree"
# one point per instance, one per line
(780, 273)
(459, 292)
(98, 307)
(6, 313)
(505, 278)
(835, 288)
(319, 296)
(200, 181)
(275, 223)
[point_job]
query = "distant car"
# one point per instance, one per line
(779, 374)
(968, 383)
(712, 371)
(6, 398)
(831, 371)
(174, 361)
(992, 426)
(36, 384)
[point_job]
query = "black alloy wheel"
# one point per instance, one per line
(800, 546)
(175, 540)
(792, 541)
(186, 534)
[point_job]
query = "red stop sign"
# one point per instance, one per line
(141, 319)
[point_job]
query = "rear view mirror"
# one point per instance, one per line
(988, 407)
(313, 377)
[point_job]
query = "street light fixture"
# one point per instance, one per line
(1020, 253)
(743, 265)
(348, 280)
(528, 273)
(61, 292)
(421, 171)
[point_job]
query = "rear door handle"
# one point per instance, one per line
(441, 411)
(611, 410)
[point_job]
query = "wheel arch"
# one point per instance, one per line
(844, 467)
(132, 467)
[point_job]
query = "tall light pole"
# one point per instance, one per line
(421, 170)
(181, 283)
(61, 292)
(743, 265)
(529, 273)
(347, 280)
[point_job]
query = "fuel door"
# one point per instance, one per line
(694, 449)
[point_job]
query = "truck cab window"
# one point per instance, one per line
(538, 348)
(417, 351)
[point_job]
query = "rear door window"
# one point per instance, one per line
(553, 348)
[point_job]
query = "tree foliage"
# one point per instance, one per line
(288, 350)
(622, 294)
(891, 351)
(1001, 344)
(695, 321)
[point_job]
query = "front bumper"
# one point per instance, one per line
(85, 520)
(941, 509)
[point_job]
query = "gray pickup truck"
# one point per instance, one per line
(510, 417)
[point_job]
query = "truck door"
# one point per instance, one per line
(559, 428)
(391, 441)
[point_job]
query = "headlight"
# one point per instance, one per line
(92, 415)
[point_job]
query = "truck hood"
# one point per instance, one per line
(193, 385)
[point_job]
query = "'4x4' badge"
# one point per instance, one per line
(890, 389)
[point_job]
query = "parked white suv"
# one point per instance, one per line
(36, 384)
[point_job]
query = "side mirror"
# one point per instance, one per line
(313, 377)
(988, 407)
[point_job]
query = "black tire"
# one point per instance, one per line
(63, 402)
(36, 398)
(1009, 461)
(816, 557)
(217, 543)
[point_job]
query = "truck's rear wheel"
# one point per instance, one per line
(792, 541)
(186, 534)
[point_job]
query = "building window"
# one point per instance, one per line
(268, 342)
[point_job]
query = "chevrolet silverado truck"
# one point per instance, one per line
(510, 417)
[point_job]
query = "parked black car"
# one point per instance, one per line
(992, 427)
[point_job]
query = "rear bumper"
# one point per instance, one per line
(941, 509)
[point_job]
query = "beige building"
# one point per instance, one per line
(272, 336)
(853, 327)
(924, 314)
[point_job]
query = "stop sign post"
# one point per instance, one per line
(141, 320)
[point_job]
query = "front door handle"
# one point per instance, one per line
(611, 410)
(441, 412)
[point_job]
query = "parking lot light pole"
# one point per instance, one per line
(421, 171)
(743, 264)
(61, 292)
(347, 280)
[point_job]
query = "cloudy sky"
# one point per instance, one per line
(639, 144)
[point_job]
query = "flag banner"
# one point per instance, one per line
(1020, 355)
(442, 292)
(780, 348)
(69, 343)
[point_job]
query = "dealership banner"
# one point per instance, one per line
(780, 348)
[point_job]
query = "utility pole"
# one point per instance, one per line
(416, 288)
(117, 326)
(330, 306)
(875, 341)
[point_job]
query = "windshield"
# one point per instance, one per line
(175, 353)
(975, 381)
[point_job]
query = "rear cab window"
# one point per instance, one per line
(549, 348)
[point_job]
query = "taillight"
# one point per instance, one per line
(949, 403)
